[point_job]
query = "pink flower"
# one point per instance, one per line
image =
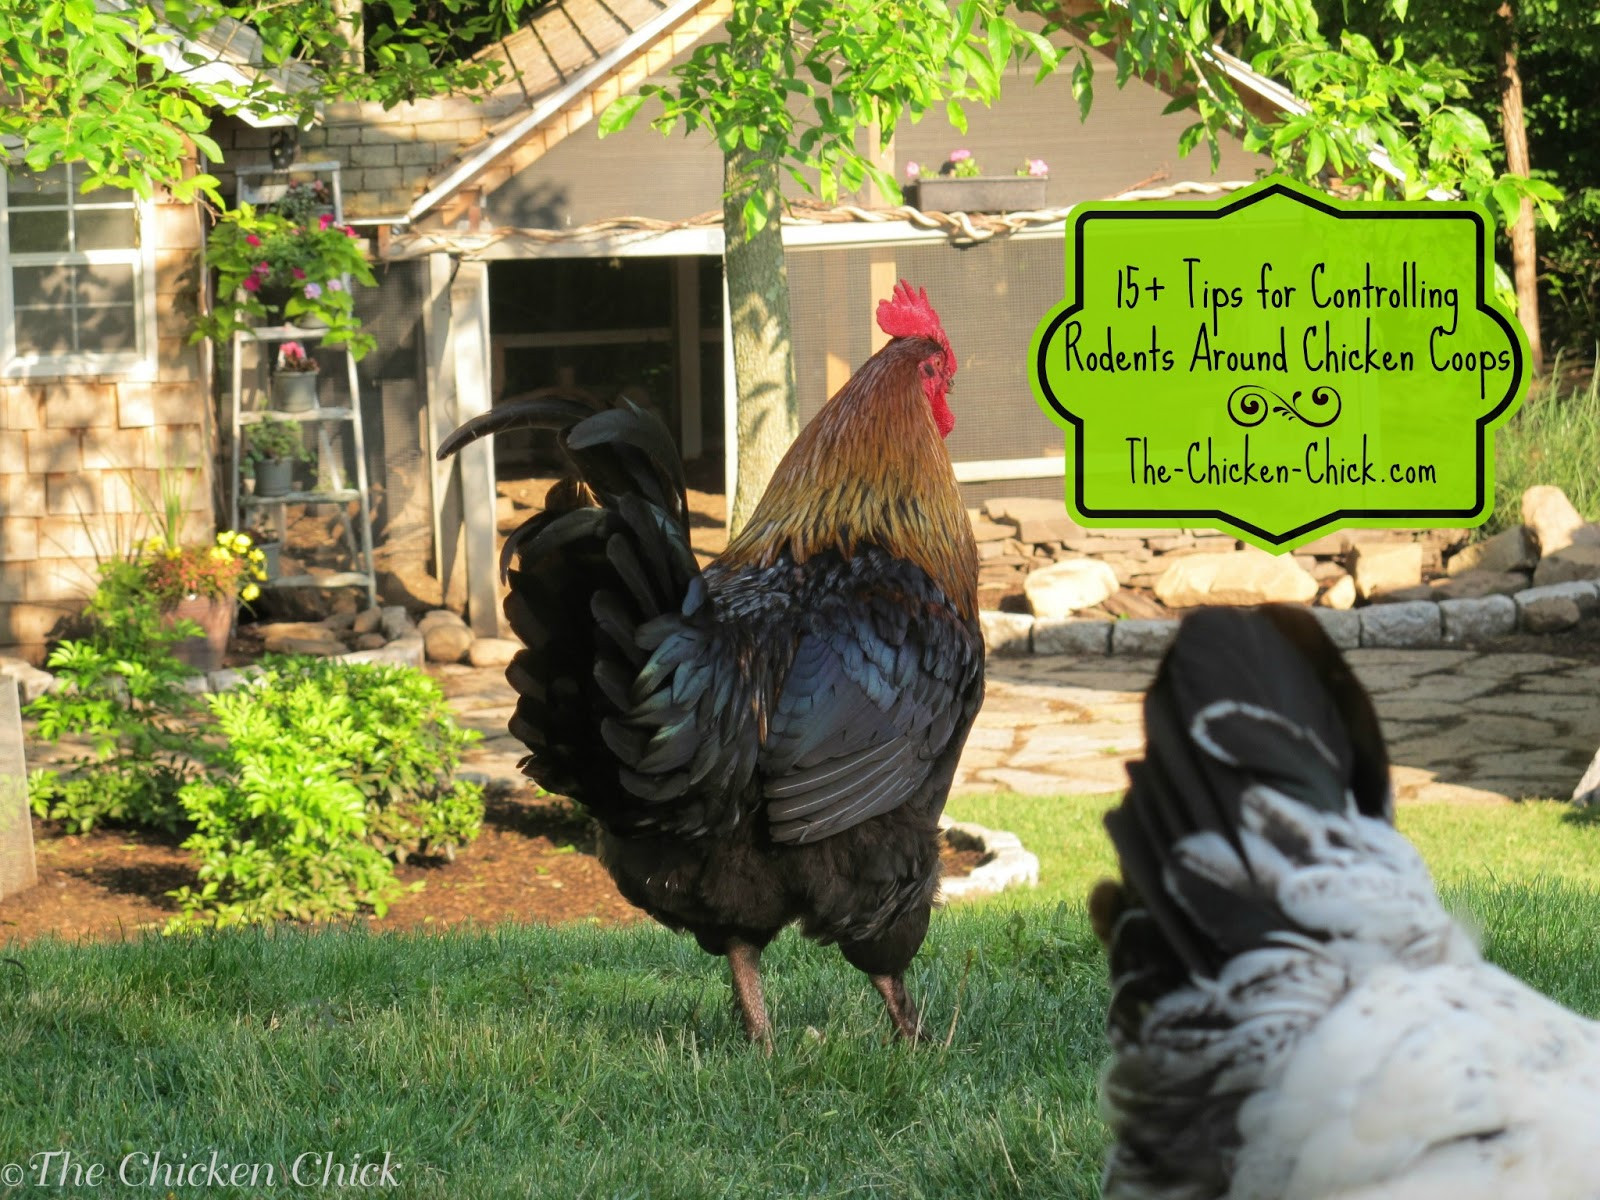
(251, 240)
(252, 283)
(336, 284)
(324, 220)
(960, 155)
(313, 291)
(349, 231)
(1037, 166)
(297, 273)
(263, 268)
(913, 170)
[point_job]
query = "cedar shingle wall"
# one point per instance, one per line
(71, 451)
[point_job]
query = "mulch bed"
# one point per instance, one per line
(533, 863)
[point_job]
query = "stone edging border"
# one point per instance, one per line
(1006, 864)
(404, 648)
(1408, 625)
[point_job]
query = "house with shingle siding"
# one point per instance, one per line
(516, 249)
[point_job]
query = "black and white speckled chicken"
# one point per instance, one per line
(1294, 1014)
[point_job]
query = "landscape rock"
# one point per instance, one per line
(339, 622)
(438, 617)
(1036, 520)
(1387, 567)
(396, 622)
(1340, 594)
(1147, 638)
(1401, 625)
(1006, 634)
(406, 650)
(1469, 585)
(1549, 614)
(1071, 637)
(1478, 617)
(1514, 549)
(32, 682)
(1342, 627)
(1550, 515)
(444, 641)
(1578, 560)
(1585, 594)
(367, 621)
(311, 630)
(1242, 577)
(492, 651)
(317, 647)
(1063, 588)
(985, 530)
(370, 641)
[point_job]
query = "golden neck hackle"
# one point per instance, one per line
(871, 469)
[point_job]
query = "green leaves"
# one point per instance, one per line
(619, 114)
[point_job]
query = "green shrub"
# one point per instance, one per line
(1555, 439)
(331, 773)
(121, 688)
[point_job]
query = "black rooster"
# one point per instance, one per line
(771, 739)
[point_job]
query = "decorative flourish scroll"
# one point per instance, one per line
(1248, 405)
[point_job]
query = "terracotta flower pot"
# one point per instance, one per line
(215, 617)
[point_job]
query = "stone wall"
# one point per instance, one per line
(73, 449)
(1017, 536)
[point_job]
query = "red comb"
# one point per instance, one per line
(908, 314)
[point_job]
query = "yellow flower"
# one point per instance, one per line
(257, 556)
(250, 592)
(174, 553)
(241, 543)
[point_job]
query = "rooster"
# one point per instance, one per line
(1294, 1015)
(771, 739)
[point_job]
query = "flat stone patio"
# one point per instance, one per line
(1462, 726)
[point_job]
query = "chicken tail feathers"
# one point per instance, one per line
(608, 555)
(1263, 753)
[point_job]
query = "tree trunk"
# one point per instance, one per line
(1524, 247)
(758, 300)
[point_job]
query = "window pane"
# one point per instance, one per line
(75, 309)
(42, 287)
(25, 187)
(44, 333)
(106, 330)
(106, 229)
(38, 231)
(105, 283)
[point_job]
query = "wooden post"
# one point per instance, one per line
(686, 311)
(448, 523)
(17, 869)
(469, 320)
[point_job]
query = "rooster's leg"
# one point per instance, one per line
(901, 1009)
(745, 961)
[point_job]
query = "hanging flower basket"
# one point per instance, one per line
(978, 193)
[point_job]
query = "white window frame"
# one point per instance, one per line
(138, 364)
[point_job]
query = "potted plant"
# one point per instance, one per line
(273, 268)
(961, 186)
(272, 447)
(294, 383)
(203, 584)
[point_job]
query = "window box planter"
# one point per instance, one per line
(978, 193)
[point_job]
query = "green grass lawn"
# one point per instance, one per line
(585, 1061)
